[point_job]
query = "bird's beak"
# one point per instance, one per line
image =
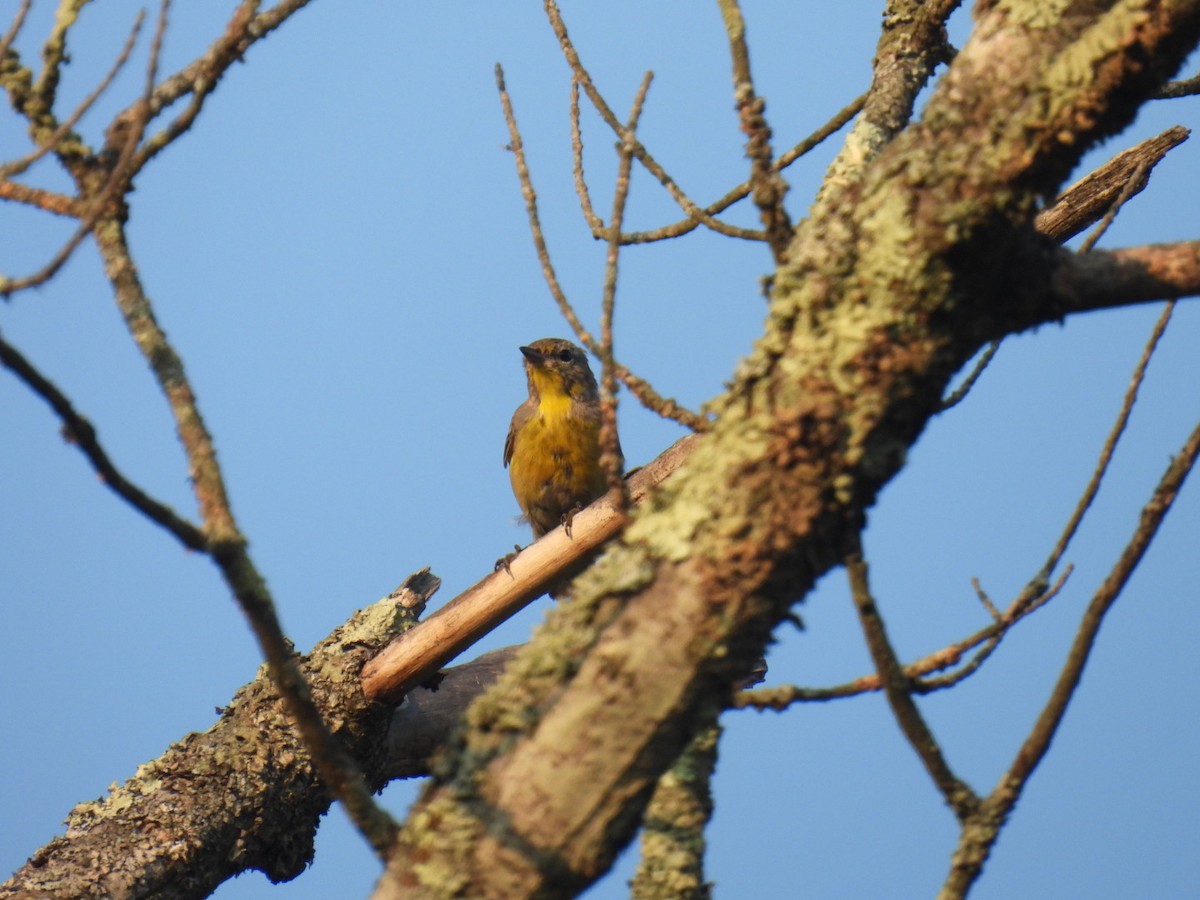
(534, 356)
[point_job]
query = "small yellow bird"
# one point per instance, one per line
(553, 447)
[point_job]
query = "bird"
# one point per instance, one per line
(552, 451)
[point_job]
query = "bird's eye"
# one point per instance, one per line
(565, 355)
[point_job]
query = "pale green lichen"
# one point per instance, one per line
(1034, 13)
(439, 825)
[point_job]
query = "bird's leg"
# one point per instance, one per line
(569, 517)
(505, 562)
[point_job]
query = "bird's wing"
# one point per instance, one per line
(520, 417)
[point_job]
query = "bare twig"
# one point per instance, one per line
(976, 840)
(1110, 445)
(47, 201)
(768, 186)
(642, 155)
(199, 78)
(54, 54)
(95, 206)
(585, 198)
(80, 432)
(15, 27)
(17, 166)
(986, 639)
(610, 456)
(10, 286)
(1023, 605)
(957, 794)
(649, 398)
(959, 393)
(684, 226)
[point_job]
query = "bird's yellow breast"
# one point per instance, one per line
(555, 462)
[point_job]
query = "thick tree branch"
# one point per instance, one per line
(1108, 279)
(891, 285)
(911, 45)
(242, 795)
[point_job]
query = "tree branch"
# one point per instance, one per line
(957, 794)
(978, 838)
(891, 284)
(417, 655)
(767, 185)
(1108, 279)
(651, 399)
(242, 795)
(80, 432)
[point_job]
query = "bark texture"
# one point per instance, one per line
(241, 795)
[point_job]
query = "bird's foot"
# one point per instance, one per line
(505, 562)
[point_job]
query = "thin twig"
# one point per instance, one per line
(1110, 445)
(640, 152)
(610, 456)
(54, 54)
(120, 175)
(959, 393)
(957, 794)
(17, 166)
(585, 198)
(10, 286)
(15, 28)
(80, 432)
(987, 639)
(199, 79)
(245, 27)
(768, 186)
(1023, 605)
(684, 226)
(976, 842)
(646, 395)
(47, 201)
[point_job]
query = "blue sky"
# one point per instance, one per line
(340, 253)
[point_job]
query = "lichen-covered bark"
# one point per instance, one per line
(241, 795)
(893, 282)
